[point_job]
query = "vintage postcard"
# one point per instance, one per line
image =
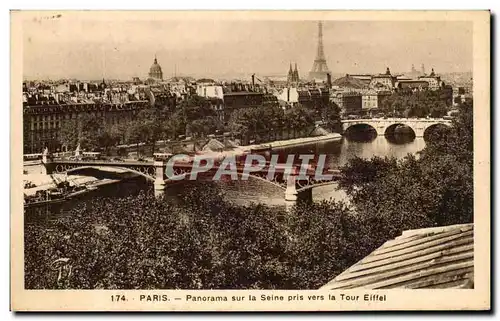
(250, 160)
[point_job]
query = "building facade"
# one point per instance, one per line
(383, 82)
(434, 80)
(47, 107)
(371, 100)
(43, 121)
(349, 102)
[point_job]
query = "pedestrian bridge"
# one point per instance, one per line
(384, 126)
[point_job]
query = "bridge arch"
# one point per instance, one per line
(148, 174)
(391, 129)
(360, 127)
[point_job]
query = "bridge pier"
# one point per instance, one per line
(291, 188)
(159, 184)
(419, 131)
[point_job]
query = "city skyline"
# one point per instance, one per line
(124, 49)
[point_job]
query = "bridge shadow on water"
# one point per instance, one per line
(238, 192)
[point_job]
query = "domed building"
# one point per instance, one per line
(155, 71)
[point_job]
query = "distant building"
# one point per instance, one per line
(293, 75)
(414, 73)
(314, 97)
(43, 120)
(371, 100)
(210, 91)
(434, 80)
(269, 100)
(241, 99)
(155, 71)
(289, 96)
(349, 102)
(47, 108)
(383, 82)
(352, 82)
(412, 85)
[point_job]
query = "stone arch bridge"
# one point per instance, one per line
(384, 126)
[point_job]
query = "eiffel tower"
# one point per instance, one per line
(319, 69)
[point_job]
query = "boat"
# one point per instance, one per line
(56, 195)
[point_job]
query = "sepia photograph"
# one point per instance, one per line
(264, 153)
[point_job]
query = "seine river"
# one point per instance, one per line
(338, 153)
(254, 190)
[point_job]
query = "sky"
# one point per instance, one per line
(68, 47)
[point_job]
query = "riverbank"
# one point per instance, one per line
(295, 142)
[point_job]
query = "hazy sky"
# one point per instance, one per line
(87, 49)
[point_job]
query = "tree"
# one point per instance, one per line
(150, 124)
(331, 117)
(69, 134)
(274, 117)
(299, 118)
(244, 122)
(106, 140)
(85, 130)
(118, 132)
(137, 133)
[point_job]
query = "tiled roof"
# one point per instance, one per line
(348, 81)
(440, 257)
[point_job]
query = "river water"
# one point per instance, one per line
(338, 153)
(254, 190)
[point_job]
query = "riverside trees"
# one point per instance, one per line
(433, 190)
(269, 122)
(416, 104)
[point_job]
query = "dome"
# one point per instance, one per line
(155, 67)
(155, 71)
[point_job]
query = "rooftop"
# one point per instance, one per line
(441, 257)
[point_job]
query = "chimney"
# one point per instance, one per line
(329, 80)
(253, 80)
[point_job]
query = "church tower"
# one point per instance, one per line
(296, 74)
(289, 79)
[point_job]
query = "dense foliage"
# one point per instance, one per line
(206, 242)
(433, 103)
